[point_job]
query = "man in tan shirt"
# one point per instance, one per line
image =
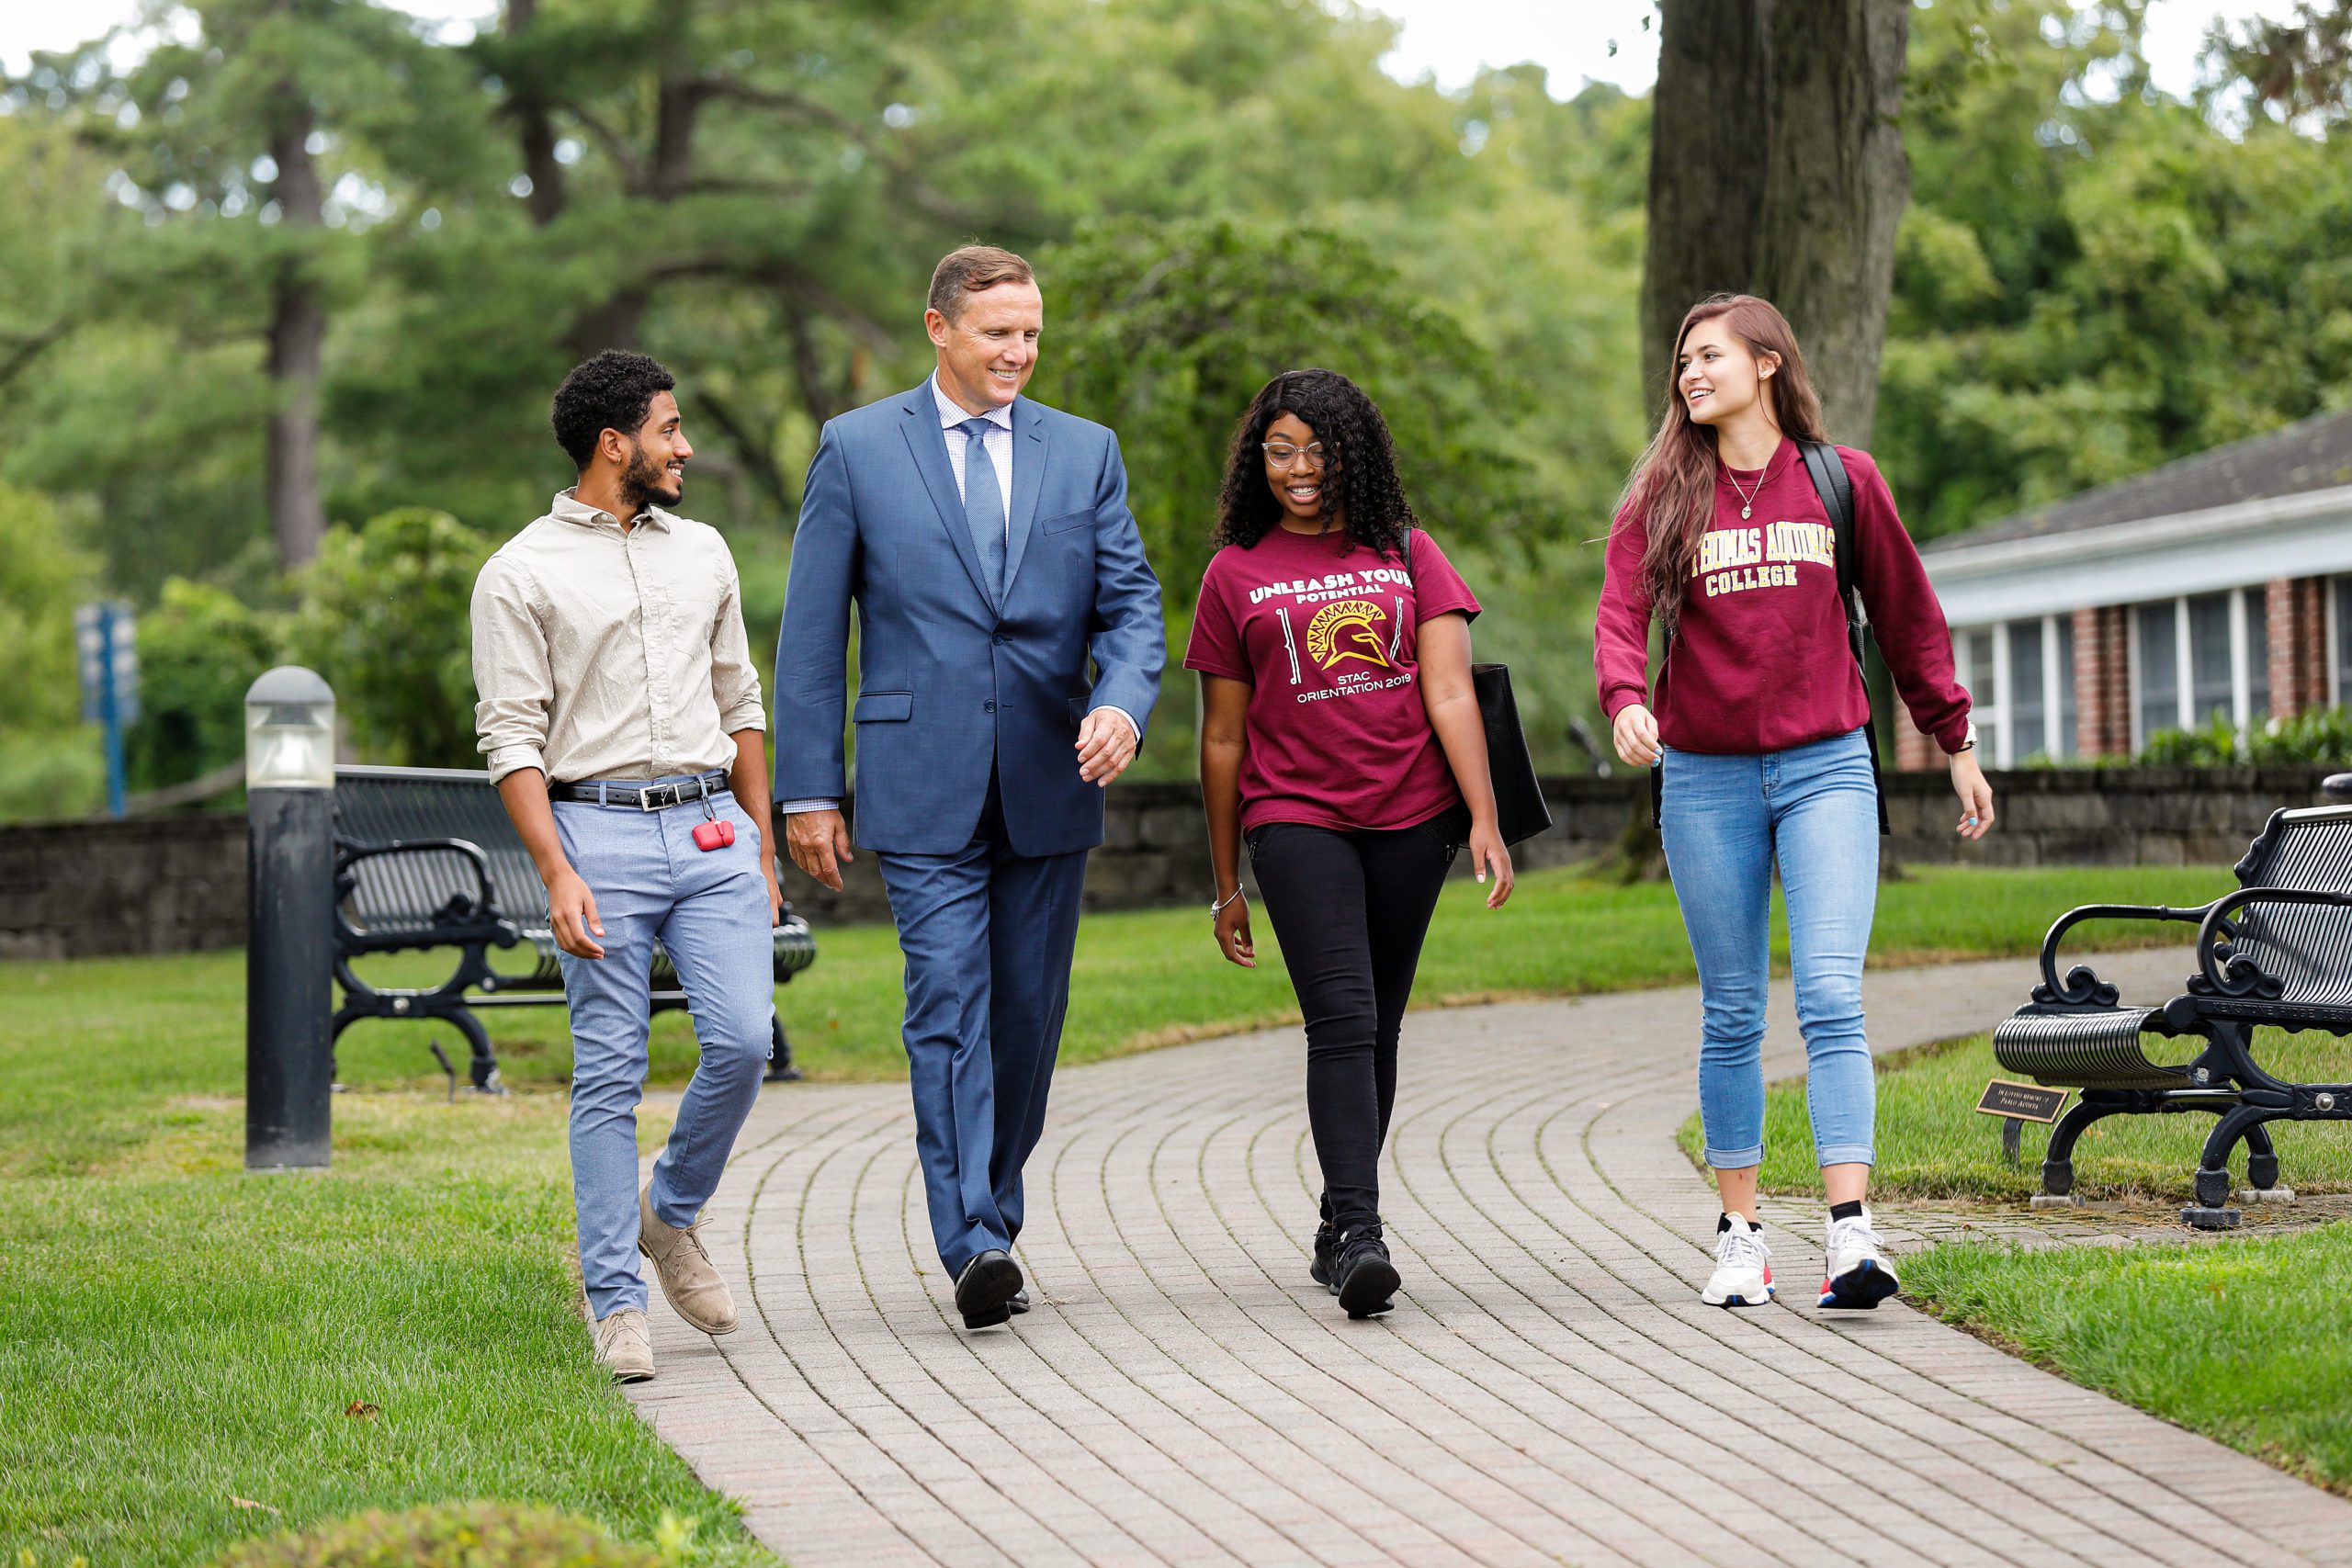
(621, 717)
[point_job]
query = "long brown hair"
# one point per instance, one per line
(1673, 486)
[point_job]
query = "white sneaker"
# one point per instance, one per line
(1743, 1276)
(1859, 1276)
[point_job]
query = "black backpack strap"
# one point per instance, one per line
(1835, 488)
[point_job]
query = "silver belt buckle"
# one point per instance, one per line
(646, 801)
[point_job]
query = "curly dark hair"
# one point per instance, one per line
(610, 391)
(1360, 484)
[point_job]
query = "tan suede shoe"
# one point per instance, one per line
(687, 1276)
(623, 1345)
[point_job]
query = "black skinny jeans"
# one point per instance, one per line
(1350, 910)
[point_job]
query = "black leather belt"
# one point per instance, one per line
(643, 796)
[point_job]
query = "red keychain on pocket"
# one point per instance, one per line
(713, 832)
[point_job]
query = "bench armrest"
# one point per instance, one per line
(2239, 974)
(2082, 986)
(349, 854)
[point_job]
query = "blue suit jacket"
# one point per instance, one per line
(950, 682)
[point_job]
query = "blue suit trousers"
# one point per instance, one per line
(987, 936)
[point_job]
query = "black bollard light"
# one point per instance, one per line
(290, 933)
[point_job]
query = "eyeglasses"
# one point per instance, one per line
(1281, 453)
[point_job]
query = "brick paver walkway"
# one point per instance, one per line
(1548, 1389)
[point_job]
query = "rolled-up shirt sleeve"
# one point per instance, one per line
(513, 680)
(734, 680)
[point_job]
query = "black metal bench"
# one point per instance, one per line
(427, 858)
(2277, 952)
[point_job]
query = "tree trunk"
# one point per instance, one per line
(533, 126)
(1777, 168)
(1707, 167)
(613, 325)
(298, 326)
(1835, 192)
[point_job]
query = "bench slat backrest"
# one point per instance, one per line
(377, 805)
(2306, 947)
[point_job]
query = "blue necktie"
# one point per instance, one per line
(984, 505)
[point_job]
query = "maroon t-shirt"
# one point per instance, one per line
(1327, 637)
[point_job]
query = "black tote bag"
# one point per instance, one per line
(1520, 811)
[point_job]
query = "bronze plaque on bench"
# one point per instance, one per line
(2022, 1102)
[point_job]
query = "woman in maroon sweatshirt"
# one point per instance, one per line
(1756, 721)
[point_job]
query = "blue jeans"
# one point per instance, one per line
(1724, 818)
(710, 911)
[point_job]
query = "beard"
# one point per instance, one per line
(646, 482)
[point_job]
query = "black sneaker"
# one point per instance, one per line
(1367, 1280)
(1324, 1271)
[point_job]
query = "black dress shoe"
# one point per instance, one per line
(984, 1292)
(1020, 1301)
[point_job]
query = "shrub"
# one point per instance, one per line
(384, 618)
(198, 650)
(2319, 735)
(460, 1535)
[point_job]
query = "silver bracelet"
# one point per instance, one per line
(1218, 906)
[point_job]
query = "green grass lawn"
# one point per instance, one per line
(1933, 1145)
(181, 1336)
(2240, 1340)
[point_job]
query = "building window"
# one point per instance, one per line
(1973, 650)
(2062, 636)
(2157, 630)
(2343, 660)
(2211, 686)
(2196, 658)
(2021, 681)
(2026, 701)
(2257, 654)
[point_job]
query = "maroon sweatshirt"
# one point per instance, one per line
(1760, 661)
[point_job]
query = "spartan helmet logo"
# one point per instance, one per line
(1348, 629)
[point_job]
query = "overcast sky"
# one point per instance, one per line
(1603, 40)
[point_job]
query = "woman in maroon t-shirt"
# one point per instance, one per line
(1341, 738)
(1760, 735)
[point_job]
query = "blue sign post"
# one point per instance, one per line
(107, 640)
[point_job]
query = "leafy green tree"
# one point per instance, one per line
(257, 151)
(384, 617)
(1167, 331)
(2096, 278)
(50, 761)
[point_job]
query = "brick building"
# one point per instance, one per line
(2218, 584)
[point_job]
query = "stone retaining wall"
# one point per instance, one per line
(176, 884)
(143, 885)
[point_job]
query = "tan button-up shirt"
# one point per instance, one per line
(604, 653)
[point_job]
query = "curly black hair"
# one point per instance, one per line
(610, 391)
(1360, 485)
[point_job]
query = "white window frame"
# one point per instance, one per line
(1989, 690)
(1986, 686)
(2184, 663)
(2054, 718)
(2331, 615)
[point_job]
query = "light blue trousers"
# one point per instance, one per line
(1725, 819)
(710, 911)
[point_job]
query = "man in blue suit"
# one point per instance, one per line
(987, 542)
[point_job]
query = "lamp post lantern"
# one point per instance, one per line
(289, 940)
